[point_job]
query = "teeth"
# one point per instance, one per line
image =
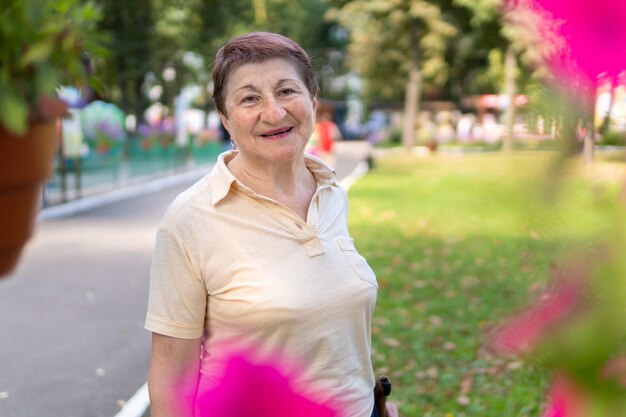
(277, 133)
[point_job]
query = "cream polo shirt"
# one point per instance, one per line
(232, 265)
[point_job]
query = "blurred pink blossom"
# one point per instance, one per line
(593, 35)
(566, 399)
(523, 332)
(250, 389)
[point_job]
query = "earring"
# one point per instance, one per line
(233, 144)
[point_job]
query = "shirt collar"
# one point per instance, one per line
(323, 173)
(222, 179)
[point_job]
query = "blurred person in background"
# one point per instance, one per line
(323, 139)
(257, 256)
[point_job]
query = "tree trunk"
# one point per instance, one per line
(141, 103)
(590, 129)
(411, 104)
(412, 94)
(510, 90)
(606, 123)
(260, 12)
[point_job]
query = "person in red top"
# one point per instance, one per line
(323, 139)
(328, 131)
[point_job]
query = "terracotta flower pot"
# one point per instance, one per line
(25, 163)
(103, 148)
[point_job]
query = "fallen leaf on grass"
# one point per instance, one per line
(419, 284)
(386, 215)
(435, 321)
(414, 266)
(449, 294)
(449, 346)
(469, 281)
(463, 400)
(466, 385)
(382, 321)
(432, 372)
(391, 342)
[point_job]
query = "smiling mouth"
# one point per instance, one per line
(276, 132)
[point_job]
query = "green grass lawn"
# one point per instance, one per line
(458, 243)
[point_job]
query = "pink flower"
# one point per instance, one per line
(526, 330)
(566, 399)
(259, 390)
(592, 33)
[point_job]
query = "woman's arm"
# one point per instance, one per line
(173, 377)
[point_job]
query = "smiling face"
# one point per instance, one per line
(270, 112)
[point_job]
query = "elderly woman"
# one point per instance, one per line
(257, 254)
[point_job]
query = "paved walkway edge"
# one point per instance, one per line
(91, 202)
(139, 403)
(360, 170)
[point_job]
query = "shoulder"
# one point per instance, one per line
(188, 205)
(201, 198)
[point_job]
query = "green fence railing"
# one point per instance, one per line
(132, 162)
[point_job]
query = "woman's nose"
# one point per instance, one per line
(273, 111)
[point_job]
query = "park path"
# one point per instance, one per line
(72, 341)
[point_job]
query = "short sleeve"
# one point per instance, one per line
(178, 297)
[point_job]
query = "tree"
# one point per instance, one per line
(487, 14)
(534, 33)
(131, 50)
(159, 36)
(396, 45)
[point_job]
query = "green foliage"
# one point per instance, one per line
(614, 139)
(484, 11)
(152, 35)
(132, 42)
(387, 35)
(457, 243)
(459, 45)
(395, 137)
(43, 44)
(521, 27)
(203, 26)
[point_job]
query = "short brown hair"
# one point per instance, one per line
(256, 47)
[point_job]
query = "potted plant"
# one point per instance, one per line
(161, 133)
(103, 126)
(42, 46)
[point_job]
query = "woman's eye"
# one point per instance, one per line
(248, 99)
(287, 91)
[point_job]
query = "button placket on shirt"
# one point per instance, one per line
(305, 232)
(313, 212)
(307, 236)
(313, 245)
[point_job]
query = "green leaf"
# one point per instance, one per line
(96, 85)
(14, 112)
(38, 52)
(46, 80)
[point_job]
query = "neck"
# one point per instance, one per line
(277, 181)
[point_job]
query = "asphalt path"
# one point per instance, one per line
(71, 317)
(72, 342)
